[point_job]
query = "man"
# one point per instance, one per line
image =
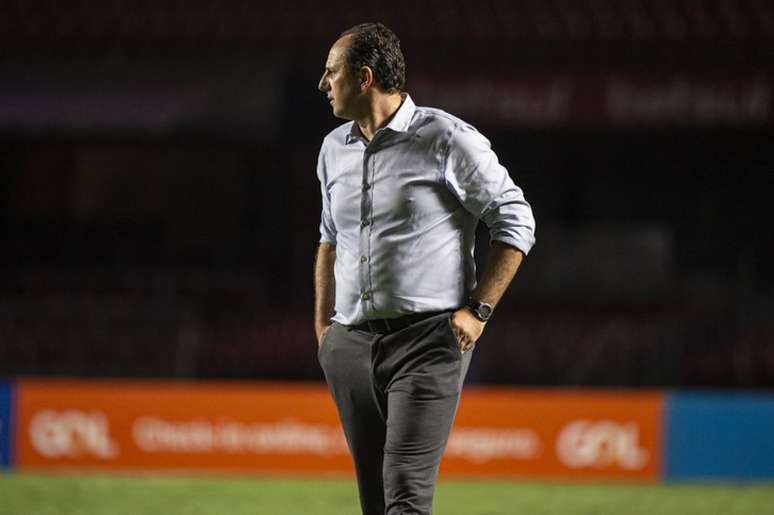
(397, 308)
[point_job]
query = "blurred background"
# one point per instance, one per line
(159, 207)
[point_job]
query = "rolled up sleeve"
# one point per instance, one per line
(327, 227)
(483, 186)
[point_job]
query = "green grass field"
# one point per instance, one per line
(49, 494)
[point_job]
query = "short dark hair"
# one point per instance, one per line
(377, 47)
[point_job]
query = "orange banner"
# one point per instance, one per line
(557, 433)
(293, 428)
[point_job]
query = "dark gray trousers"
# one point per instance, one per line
(397, 395)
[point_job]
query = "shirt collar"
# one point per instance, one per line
(399, 123)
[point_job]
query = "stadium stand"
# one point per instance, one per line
(183, 247)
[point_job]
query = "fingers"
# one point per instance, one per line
(465, 344)
(467, 328)
(465, 339)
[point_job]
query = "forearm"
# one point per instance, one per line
(324, 287)
(501, 267)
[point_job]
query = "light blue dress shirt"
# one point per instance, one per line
(402, 212)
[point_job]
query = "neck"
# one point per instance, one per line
(381, 108)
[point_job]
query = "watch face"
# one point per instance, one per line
(485, 311)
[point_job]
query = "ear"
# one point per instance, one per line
(366, 78)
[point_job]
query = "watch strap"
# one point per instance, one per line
(480, 310)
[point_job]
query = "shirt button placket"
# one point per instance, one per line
(366, 218)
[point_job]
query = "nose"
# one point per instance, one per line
(323, 85)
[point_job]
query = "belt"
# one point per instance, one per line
(391, 325)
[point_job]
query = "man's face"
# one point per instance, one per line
(339, 83)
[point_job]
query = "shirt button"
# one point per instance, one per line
(365, 296)
(363, 259)
(366, 187)
(366, 223)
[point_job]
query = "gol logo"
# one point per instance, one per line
(71, 434)
(597, 444)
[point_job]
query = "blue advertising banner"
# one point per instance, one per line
(719, 436)
(5, 424)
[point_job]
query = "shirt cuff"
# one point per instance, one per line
(517, 242)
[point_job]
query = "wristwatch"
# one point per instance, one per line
(481, 310)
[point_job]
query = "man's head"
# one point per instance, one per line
(365, 60)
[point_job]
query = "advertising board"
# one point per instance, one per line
(6, 424)
(293, 428)
(719, 436)
(556, 433)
